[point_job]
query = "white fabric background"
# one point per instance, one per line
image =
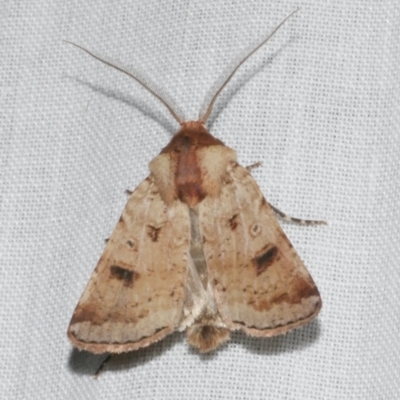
(319, 106)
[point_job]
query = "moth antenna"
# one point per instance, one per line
(138, 77)
(210, 99)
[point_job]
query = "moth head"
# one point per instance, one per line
(212, 95)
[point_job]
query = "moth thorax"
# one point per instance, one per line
(192, 166)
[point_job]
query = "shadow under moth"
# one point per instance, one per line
(196, 249)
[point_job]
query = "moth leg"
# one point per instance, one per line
(254, 166)
(102, 365)
(300, 221)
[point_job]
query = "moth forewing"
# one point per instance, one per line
(260, 284)
(136, 294)
(197, 248)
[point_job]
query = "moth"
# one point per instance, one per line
(196, 249)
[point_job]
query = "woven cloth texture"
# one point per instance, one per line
(318, 106)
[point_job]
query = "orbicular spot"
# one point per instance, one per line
(265, 259)
(233, 222)
(153, 232)
(255, 229)
(123, 274)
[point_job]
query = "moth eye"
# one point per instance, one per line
(255, 229)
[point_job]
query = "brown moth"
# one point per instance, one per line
(196, 249)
